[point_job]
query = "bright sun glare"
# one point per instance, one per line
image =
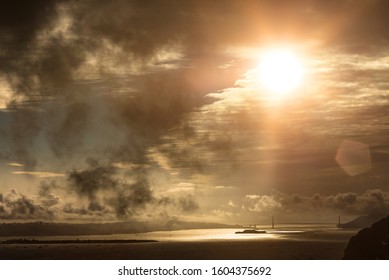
(280, 72)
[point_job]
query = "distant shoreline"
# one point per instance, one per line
(69, 229)
(77, 241)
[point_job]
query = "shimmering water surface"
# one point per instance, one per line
(303, 232)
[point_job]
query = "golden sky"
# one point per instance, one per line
(220, 111)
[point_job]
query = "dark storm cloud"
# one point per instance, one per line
(141, 29)
(23, 62)
(131, 198)
(183, 202)
(47, 61)
(20, 20)
(45, 58)
(105, 191)
(101, 187)
(160, 104)
(100, 192)
(96, 178)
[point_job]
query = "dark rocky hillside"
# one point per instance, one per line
(370, 243)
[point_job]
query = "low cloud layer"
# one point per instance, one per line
(16, 206)
(136, 201)
(373, 201)
(100, 192)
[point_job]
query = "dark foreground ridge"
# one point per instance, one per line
(77, 241)
(370, 243)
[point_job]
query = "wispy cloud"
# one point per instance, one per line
(15, 164)
(38, 174)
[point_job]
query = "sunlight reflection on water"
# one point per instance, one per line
(286, 232)
(205, 234)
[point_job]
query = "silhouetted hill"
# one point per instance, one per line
(370, 243)
(363, 221)
(56, 229)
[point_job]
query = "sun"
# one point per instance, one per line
(280, 72)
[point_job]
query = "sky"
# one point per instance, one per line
(131, 110)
